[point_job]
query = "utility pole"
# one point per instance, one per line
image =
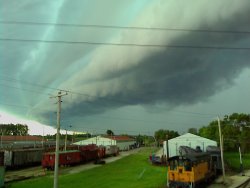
(59, 97)
(167, 149)
(65, 146)
(221, 150)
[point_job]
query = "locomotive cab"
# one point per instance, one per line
(180, 171)
(189, 170)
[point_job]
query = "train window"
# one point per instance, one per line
(214, 158)
(187, 166)
(173, 165)
(180, 162)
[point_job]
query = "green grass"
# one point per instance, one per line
(233, 160)
(132, 171)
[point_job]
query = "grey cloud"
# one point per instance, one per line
(173, 76)
(111, 77)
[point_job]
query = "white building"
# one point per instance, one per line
(123, 142)
(187, 139)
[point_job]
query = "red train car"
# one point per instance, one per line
(66, 158)
(89, 152)
(101, 152)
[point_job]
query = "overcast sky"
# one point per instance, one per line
(122, 73)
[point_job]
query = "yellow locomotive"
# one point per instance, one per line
(190, 169)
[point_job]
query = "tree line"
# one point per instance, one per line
(235, 129)
(14, 129)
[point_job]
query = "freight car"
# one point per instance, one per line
(66, 158)
(112, 150)
(17, 158)
(83, 154)
(189, 170)
(89, 152)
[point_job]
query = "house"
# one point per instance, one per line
(189, 140)
(123, 142)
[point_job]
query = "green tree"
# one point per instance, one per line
(11, 129)
(193, 131)
(234, 129)
(162, 135)
(110, 132)
(140, 139)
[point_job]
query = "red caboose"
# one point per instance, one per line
(66, 158)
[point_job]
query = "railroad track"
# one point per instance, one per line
(245, 185)
(15, 175)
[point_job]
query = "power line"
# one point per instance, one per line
(123, 27)
(33, 91)
(9, 79)
(91, 96)
(126, 44)
(16, 106)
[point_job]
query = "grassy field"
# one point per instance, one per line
(132, 171)
(233, 160)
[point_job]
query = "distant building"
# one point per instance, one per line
(20, 141)
(189, 140)
(123, 142)
(20, 138)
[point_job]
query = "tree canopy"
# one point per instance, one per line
(110, 132)
(16, 130)
(235, 130)
(163, 134)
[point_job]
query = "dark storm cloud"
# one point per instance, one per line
(108, 77)
(174, 76)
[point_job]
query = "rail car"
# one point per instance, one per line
(192, 168)
(112, 150)
(70, 157)
(215, 155)
(20, 156)
(82, 154)
(89, 152)
(17, 158)
(189, 170)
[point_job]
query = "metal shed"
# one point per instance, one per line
(187, 139)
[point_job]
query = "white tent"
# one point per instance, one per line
(187, 139)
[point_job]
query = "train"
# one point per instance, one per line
(14, 158)
(192, 168)
(18, 158)
(71, 157)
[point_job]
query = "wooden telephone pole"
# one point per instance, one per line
(59, 97)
